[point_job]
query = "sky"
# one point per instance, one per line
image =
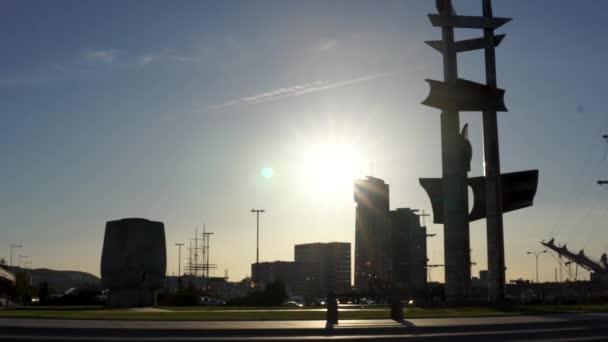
(171, 111)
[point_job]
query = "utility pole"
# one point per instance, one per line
(189, 266)
(560, 267)
(257, 239)
(29, 271)
(603, 182)
(13, 246)
(196, 248)
(179, 259)
(536, 254)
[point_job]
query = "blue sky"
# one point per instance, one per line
(169, 110)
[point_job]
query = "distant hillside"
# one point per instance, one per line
(59, 281)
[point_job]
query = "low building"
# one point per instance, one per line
(172, 283)
(334, 263)
(300, 278)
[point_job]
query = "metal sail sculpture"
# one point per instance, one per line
(494, 193)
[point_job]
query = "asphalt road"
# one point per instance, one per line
(576, 327)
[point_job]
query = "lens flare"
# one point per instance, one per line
(267, 172)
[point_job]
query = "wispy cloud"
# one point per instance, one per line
(61, 68)
(184, 59)
(328, 45)
(106, 56)
(145, 60)
(25, 81)
(297, 90)
(166, 55)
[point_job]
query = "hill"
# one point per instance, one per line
(59, 281)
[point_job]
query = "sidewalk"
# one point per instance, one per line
(594, 327)
(303, 325)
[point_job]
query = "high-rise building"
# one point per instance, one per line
(372, 229)
(409, 260)
(333, 260)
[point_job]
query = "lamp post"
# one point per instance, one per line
(13, 246)
(257, 239)
(179, 259)
(29, 270)
(536, 254)
(21, 257)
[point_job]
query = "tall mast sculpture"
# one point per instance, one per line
(493, 194)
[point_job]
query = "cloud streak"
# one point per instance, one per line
(297, 90)
(27, 81)
(145, 60)
(106, 56)
(166, 55)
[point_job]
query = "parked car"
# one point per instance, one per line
(293, 304)
(208, 301)
(319, 302)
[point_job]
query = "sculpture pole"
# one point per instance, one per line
(495, 237)
(455, 204)
(449, 194)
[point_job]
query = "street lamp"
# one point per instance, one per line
(257, 244)
(536, 254)
(21, 257)
(12, 247)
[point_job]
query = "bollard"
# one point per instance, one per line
(396, 306)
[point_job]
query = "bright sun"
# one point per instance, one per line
(330, 168)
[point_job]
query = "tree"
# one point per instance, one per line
(22, 288)
(275, 293)
(3, 263)
(43, 292)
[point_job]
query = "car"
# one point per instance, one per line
(208, 301)
(294, 304)
(319, 302)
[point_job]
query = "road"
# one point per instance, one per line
(565, 327)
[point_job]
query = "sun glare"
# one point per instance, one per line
(330, 168)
